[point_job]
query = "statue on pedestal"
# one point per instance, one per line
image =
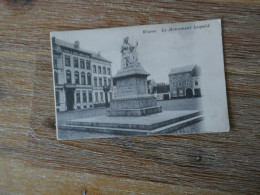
(129, 54)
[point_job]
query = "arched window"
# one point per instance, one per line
(89, 78)
(83, 78)
(105, 81)
(68, 76)
(95, 81)
(76, 74)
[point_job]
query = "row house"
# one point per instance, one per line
(75, 74)
(185, 81)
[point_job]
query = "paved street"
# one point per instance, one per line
(181, 104)
(174, 104)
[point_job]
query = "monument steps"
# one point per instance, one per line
(169, 128)
(179, 125)
(127, 125)
(106, 130)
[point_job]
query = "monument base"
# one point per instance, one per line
(160, 123)
(141, 105)
(135, 112)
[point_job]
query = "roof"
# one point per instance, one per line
(71, 46)
(182, 69)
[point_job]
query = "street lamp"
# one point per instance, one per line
(106, 89)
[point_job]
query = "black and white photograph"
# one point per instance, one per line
(139, 80)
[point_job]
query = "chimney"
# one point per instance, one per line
(76, 44)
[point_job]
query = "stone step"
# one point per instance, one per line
(176, 126)
(148, 123)
(106, 130)
(135, 132)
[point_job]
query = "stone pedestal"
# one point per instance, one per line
(132, 98)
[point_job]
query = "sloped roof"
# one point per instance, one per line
(99, 57)
(181, 69)
(71, 45)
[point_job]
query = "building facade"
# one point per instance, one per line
(74, 76)
(101, 70)
(162, 91)
(185, 82)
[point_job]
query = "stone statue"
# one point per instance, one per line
(129, 54)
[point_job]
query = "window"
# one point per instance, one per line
(84, 97)
(100, 82)
(196, 83)
(187, 83)
(82, 64)
(90, 96)
(101, 97)
(179, 84)
(96, 94)
(173, 84)
(108, 71)
(99, 70)
(95, 81)
(173, 77)
(67, 60)
(56, 79)
(68, 76)
(104, 71)
(89, 78)
(105, 81)
(109, 82)
(76, 62)
(186, 75)
(76, 74)
(57, 98)
(94, 69)
(83, 78)
(55, 63)
(78, 97)
(88, 64)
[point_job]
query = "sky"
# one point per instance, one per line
(158, 52)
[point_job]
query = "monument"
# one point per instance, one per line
(132, 97)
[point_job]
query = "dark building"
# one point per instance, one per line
(185, 81)
(162, 91)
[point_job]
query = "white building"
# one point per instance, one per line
(101, 69)
(74, 76)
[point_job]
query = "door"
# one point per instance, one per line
(70, 99)
(189, 93)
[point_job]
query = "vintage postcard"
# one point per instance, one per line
(140, 80)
